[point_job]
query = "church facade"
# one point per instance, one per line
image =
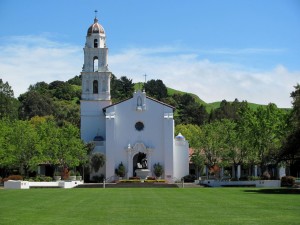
(137, 132)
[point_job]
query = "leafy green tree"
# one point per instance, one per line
(35, 104)
(267, 129)
(61, 146)
(22, 150)
(156, 89)
(8, 104)
(62, 90)
(190, 112)
(291, 146)
(212, 142)
(66, 111)
(41, 87)
(190, 132)
(227, 110)
(97, 161)
(122, 88)
(75, 80)
(5, 130)
(198, 159)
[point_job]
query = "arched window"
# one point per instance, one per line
(95, 87)
(95, 62)
(95, 43)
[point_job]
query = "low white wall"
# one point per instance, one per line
(268, 183)
(16, 184)
(43, 184)
(69, 184)
(257, 183)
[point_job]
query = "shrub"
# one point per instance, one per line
(244, 178)
(158, 169)
(98, 179)
(189, 178)
(72, 173)
(253, 178)
(13, 177)
(134, 178)
(120, 171)
(287, 181)
(150, 178)
(42, 178)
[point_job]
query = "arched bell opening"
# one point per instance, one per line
(95, 87)
(95, 63)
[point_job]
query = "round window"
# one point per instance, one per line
(139, 126)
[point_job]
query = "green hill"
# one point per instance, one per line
(209, 106)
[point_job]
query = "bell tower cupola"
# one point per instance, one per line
(95, 74)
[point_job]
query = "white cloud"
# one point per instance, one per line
(29, 59)
(209, 80)
(26, 60)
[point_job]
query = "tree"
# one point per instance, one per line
(66, 111)
(156, 89)
(267, 129)
(62, 90)
(75, 80)
(23, 151)
(291, 146)
(35, 104)
(212, 142)
(227, 110)
(122, 88)
(61, 146)
(190, 111)
(8, 104)
(97, 161)
(190, 132)
(198, 159)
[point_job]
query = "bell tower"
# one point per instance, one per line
(95, 83)
(95, 74)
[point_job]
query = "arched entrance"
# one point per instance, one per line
(135, 155)
(139, 161)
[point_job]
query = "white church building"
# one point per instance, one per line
(125, 131)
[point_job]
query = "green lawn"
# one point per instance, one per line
(149, 206)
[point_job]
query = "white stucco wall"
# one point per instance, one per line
(157, 134)
(92, 119)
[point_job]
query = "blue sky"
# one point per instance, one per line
(248, 50)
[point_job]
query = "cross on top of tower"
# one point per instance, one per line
(96, 20)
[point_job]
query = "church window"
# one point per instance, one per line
(95, 43)
(95, 61)
(95, 87)
(139, 126)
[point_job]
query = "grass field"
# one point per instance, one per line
(150, 206)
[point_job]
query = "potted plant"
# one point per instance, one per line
(72, 175)
(158, 170)
(78, 176)
(120, 171)
(57, 176)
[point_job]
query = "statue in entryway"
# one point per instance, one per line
(142, 161)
